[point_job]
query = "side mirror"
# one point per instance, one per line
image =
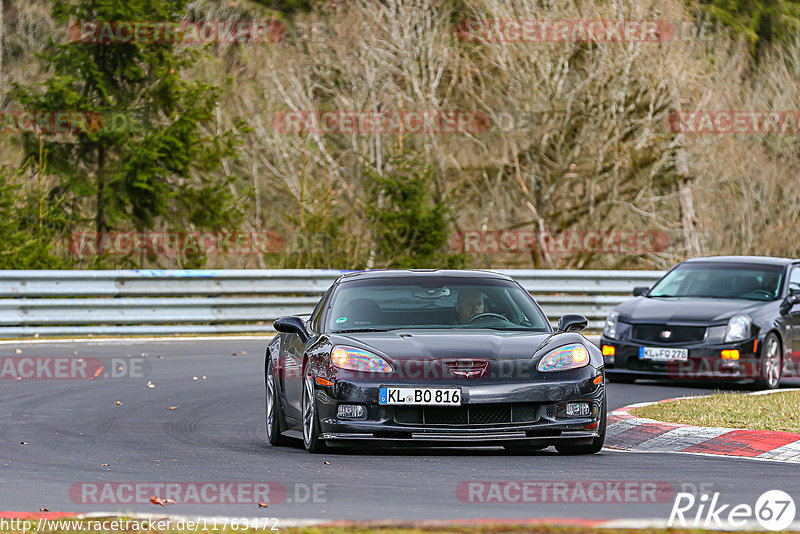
(572, 323)
(788, 303)
(640, 291)
(292, 325)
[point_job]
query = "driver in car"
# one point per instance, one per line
(469, 304)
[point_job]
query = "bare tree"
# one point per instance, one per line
(2, 87)
(576, 138)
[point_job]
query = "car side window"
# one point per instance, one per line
(794, 280)
(319, 311)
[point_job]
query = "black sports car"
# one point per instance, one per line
(434, 357)
(732, 318)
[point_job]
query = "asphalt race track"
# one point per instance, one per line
(70, 428)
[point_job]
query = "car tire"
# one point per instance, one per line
(275, 422)
(770, 365)
(573, 447)
(311, 429)
(620, 379)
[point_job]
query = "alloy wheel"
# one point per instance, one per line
(308, 411)
(270, 401)
(772, 362)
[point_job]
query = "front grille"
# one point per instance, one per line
(467, 415)
(467, 368)
(679, 334)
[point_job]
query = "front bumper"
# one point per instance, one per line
(543, 402)
(704, 361)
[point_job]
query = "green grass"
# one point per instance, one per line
(777, 411)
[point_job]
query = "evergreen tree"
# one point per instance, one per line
(411, 227)
(28, 227)
(147, 159)
(760, 21)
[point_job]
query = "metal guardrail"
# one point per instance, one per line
(167, 302)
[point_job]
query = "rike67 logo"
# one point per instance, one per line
(773, 510)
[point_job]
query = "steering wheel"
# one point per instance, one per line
(487, 314)
(764, 291)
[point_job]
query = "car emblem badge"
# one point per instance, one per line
(466, 368)
(666, 334)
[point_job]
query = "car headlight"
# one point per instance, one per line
(359, 360)
(571, 356)
(739, 328)
(610, 328)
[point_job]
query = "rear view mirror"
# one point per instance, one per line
(640, 291)
(292, 325)
(431, 293)
(788, 303)
(572, 323)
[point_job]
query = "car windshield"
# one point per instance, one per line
(718, 281)
(378, 305)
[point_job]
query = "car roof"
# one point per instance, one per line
(422, 274)
(761, 260)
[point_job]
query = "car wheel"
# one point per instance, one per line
(770, 366)
(274, 418)
(580, 446)
(311, 431)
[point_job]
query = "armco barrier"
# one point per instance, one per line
(158, 302)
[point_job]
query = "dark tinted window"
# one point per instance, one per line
(723, 281)
(794, 280)
(387, 304)
(319, 311)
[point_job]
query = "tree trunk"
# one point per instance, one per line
(688, 218)
(100, 214)
(2, 87)
(379, 167)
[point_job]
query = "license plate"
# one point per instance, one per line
(389, 395)
(663, 354)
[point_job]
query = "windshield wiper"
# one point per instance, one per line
(520, 329)
(692, 297)
(714, 297)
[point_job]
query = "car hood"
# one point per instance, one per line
(689, 310)
(447, 343)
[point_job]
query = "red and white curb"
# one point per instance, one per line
(628, 432)
(614, 524)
